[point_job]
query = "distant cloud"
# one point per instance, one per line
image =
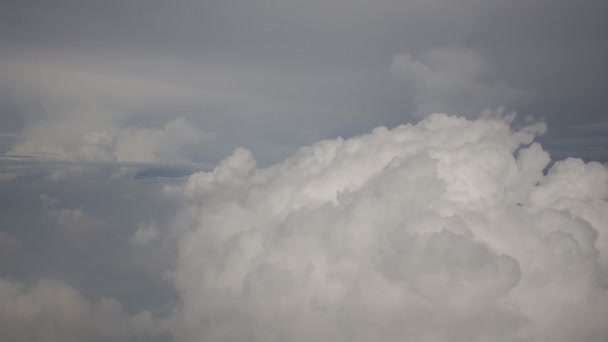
(145, 234)
(73, 225)
(52, 311)
(162, 145)
(454, 80)
(94, 117)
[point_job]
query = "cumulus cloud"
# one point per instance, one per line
(91, 116)
(52, 311)
(447, 230)
(154, 145)
(165, 144)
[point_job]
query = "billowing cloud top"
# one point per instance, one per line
(447, 230)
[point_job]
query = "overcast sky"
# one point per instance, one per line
(273, 75)
(109, 108)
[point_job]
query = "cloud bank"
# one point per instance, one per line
(53, 311)
(447, 230)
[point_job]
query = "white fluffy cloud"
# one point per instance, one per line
(447, 230)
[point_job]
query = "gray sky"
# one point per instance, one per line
(273, 75)
(106, 105)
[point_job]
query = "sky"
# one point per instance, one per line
(293, 170)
